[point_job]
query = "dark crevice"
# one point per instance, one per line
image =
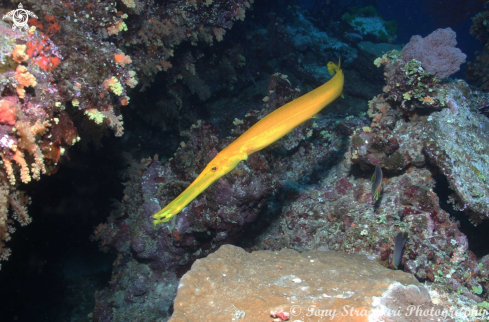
(477, 235)
(53, 263)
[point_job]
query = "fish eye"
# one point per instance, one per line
(214, 168)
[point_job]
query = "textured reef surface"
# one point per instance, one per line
(232, 284)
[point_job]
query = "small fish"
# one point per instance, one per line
(399, 245)
(376, 183)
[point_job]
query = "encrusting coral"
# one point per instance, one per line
(327, 285)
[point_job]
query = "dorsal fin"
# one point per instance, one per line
(333, 68)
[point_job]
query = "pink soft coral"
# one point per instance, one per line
(436, 52)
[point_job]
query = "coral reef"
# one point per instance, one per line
(409, 84)
(367, 23)
(325, 11)
(77, 64)
(74, 70)
(306, 48)
(312, 189)
(224, 212)
(120, 45)
(479, 27)
(463, 159)
(459, 159)
(35, 129)
(304, 36)
(477, 69)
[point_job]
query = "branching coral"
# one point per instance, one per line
(112, 120)
(24, 79)
(17, 201)
(112, 84)
(47, 57)
(27, 134)
(122, 59)
(27, 142)
(19, 54)
(34, 129)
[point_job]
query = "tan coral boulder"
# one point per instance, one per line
(233, 285)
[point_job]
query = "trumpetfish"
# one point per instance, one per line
(268, 130)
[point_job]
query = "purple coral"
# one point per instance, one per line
(436, 52)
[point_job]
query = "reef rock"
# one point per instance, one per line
(464, 157)
(233, 285)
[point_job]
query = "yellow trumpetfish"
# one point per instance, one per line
(266, 131)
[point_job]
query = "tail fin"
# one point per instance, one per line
(333, 68)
